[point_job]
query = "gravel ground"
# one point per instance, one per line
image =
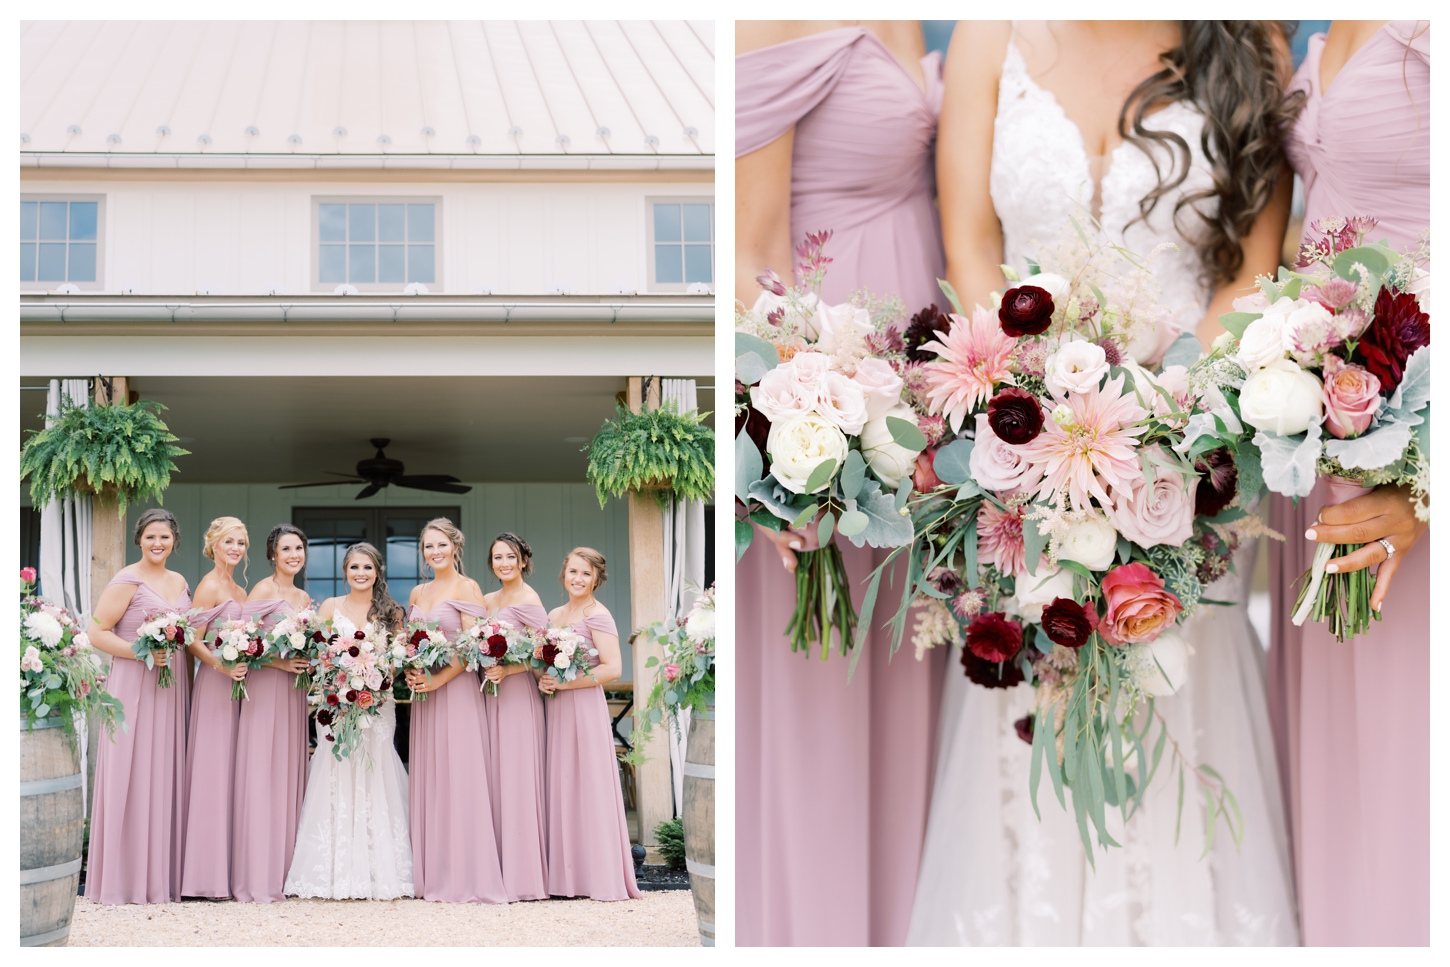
(659, 919)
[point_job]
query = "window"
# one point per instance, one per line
(375, 244)
(681, 243)
(394, 530)
(60, 241)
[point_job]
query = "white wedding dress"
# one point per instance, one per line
(353, 840)
(991, 872)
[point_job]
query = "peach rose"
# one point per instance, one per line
(364, 699)
(1351, 397)
(1139, 607)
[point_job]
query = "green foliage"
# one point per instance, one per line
(125, 451)
(641, 451)
(671, 839)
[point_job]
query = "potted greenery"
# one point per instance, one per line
(659, 450)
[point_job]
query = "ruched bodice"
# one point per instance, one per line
(448, 614)
(602, 623)
(524, 615)
(144, 603)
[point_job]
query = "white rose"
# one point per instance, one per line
(995, 465)
(837, 324)
(1420, 289)
(561, 660)
(44, 628)
(1281, 398)
(1092, 543)
(1164, 666)
(799, 445)
(296, 639)
(229, 652)
(356, 682)
(399, 652)
(1076, 367)
(1263, 341)
(1056, 285)
(1037, 591)
(880, 384)
(890, 460)
(843, 403)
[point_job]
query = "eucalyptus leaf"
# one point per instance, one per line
(969, 552)
(906, 434)
(767, 520)
(852, 522)
(750, 368)
(953, 462)
(1290, 289)
(1185, 351)
(804, 517)
(853, 473)
(1370, 257)
(903, 494)
(828, 521)
(748, 466)
(43, 710)
(651, 662)
(968, 490)
(1034, 543)
(821, 475)
(951, 294)
(1237, 322)
(746, 343)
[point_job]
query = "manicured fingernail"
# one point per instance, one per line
(1332, 569)
(795, 545)
(1309, 534)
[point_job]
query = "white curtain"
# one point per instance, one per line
(684, 569)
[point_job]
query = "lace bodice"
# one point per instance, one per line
(1041, 176)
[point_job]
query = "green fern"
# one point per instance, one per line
(670, 836)
(121, 451)
(639, 451)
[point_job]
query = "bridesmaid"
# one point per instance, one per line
(271, 769)
(516, 732)
(455, 851)
(211, 740)
(1352, 719)
(136, 819)
(588, 835)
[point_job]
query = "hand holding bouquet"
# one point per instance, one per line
(493, 642)
(298, 635)
(563, 654)
(356, 677)
(240, 644)
(160, 636)
(421, 646)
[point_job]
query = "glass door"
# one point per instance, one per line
(393, 530)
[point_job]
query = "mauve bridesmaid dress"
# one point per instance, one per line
(455, 851)
(1352, 719)
(136, 817)
(588, 834)
(833, 779)
(211, 743)
(515, 718)
(270, 774)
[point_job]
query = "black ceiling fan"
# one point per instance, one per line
(380, 471)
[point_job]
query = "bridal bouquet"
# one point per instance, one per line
(1334, 361)
(161, 635)
(494, 642)
(828, 432)
(60, 673)
(356, 677)
(563, 653)
(241, 643)
(298, 635)
(423, 646)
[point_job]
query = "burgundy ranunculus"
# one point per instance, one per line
(1026, 311)
(317, 636)
(352, 695)
(1398, 329)
(1218, 485)
(359, 635)
(990, 674)
(332, 700)
(1015, 416)
(1068, 623)
(991, 637)
(354, 651)
(324, 717)
(548, 653)
(1024, 728)
(419, 637)
(498, 646)
(923, 328)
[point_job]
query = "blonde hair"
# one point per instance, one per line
(445, 527)
(220, 528)
(591, 557)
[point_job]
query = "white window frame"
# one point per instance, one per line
(315, 253)
(649, 221)
(99, 284)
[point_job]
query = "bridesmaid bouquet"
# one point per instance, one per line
(563, 653)
(241, 643)
(61, 675)
(1334, 361)
(687, 677)
(160, 635)
(356, 676)
(421, 645)
(298, 635)
(494, 642)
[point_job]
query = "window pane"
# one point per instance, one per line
(390, 263)
(667, 223)
(27, 262)
(52, 262)
(390, 223)
(667, 264)
(361, 262)
(332, 223)
(52, 219)
(332, 264)
(82, 263)
(420, 223)
(29, 211)
(697, 223)
(697, 264)
(420, 263)
(361, 222)
(83, 221)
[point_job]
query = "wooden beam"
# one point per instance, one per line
(108, 555)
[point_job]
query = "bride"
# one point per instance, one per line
(1164, 132)
(352, 840)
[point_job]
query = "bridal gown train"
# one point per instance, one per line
(991, 872)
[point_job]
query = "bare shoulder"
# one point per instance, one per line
(758, 34)
(413, 594)
(531, 596)
(263, 588)
(473, 589)
(329, 608)
(979, 46)
(555, 613)
(490, 600)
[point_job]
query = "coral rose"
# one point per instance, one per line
(924, 477)
(1026, 311)
(364, 699)
(991, 637)
(1068, 623)
(1139, 606)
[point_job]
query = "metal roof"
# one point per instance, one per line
(233, 90)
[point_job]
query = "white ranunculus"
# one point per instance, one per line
(890, 460)
(995, 464)
(798, 446)
(1165, 664)
(229, 652)
(1056, 285)
(843, 402)
(1037, 591)
(880, 384)
(1092, 543)
(780, 396)
(44, 628)
(1263, 341)
(1076, 367)
(30, 662)
(837, 324)
(1281, 398)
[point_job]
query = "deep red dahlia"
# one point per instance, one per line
(1068, 623)
(418, 637)
(549, 653)
(991, 637)
(923, 328)
(1397, 330)
(1026, 311)
(498, 646)
(324, 717)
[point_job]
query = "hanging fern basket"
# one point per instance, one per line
(659, 451)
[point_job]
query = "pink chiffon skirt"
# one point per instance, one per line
(516, 778)
(271, 777)
(211, 743)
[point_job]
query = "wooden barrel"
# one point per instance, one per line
(52, 822)
(699, 817)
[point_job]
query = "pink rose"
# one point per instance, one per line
(808, 368)
(27, 574)
(995, 464)
(779, 396)
(1156, 512)
(171, 632)
(1139, 607)
(672, 672)
(1351, 397)
(843, 402)
(880, 384)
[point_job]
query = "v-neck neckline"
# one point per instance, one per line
(185, 592)
(1324, 89)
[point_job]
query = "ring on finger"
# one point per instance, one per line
(1389, 548)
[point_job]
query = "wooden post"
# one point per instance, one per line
(108, 555)
(654, 792)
